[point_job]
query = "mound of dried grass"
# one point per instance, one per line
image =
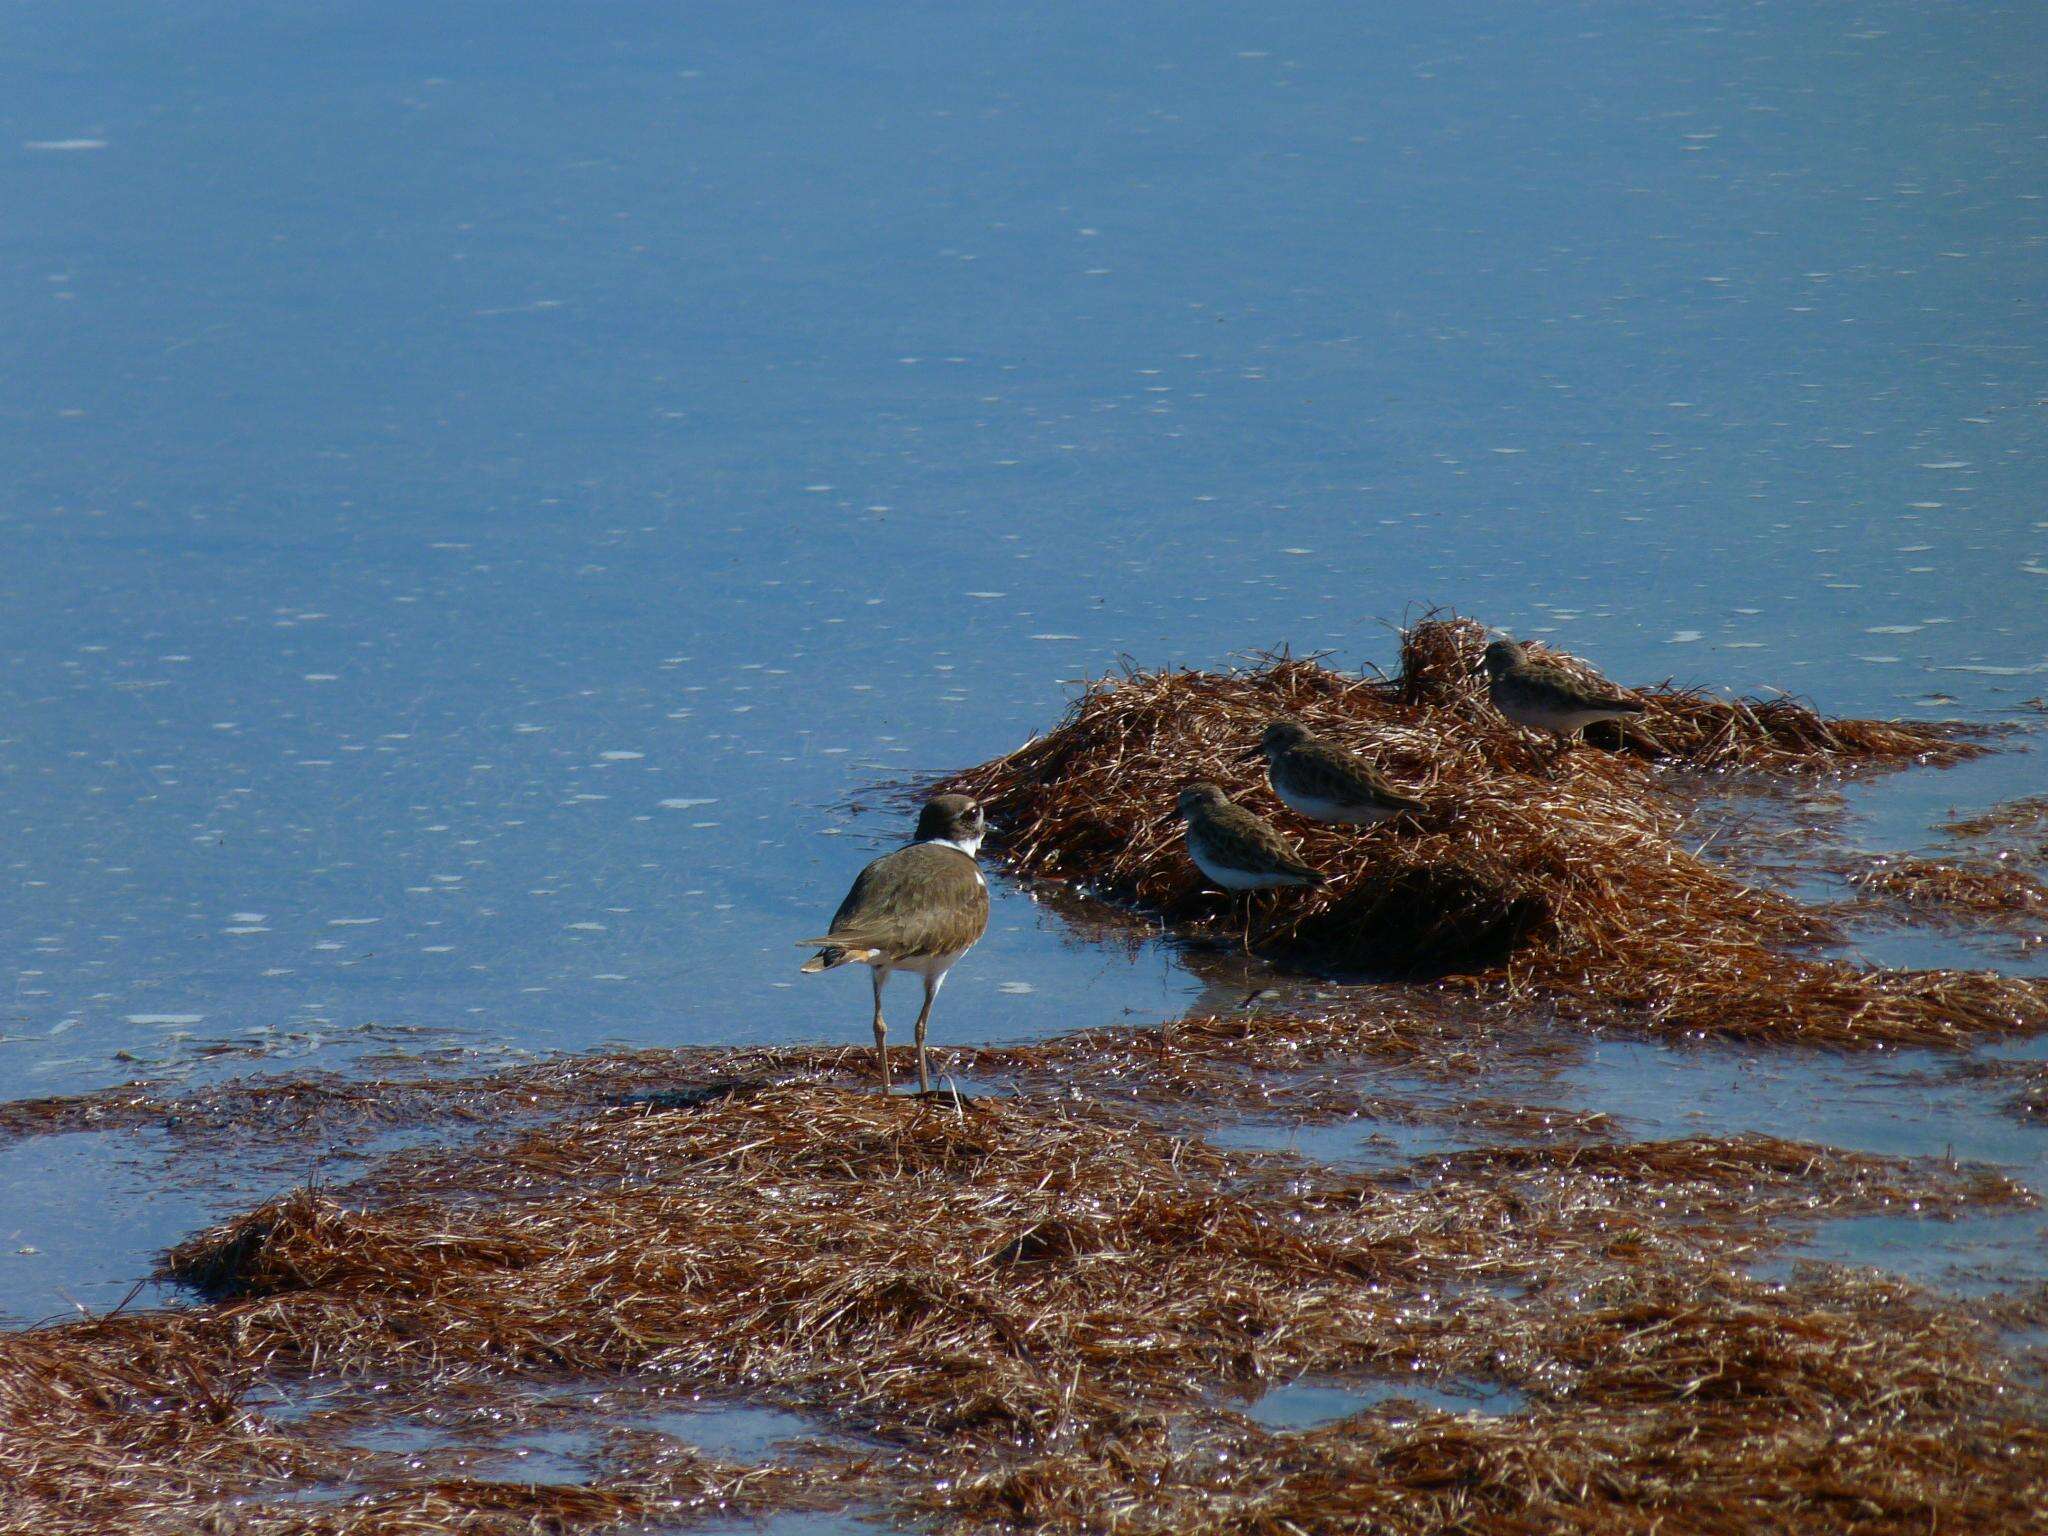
(1572, 885)
(1034, 1303)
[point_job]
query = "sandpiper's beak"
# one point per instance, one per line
(1256, 749)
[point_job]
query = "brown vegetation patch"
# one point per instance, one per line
(1987, 891)
(1571, 883)
(1032, 1304)
(2009, 822)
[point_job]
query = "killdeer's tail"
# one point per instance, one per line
(833, 952)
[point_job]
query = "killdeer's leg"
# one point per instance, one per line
(932, 983)
(881, 1029)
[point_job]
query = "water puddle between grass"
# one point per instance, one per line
(1971, 1255)
(1897, 1104)
(1357, 1143)
(1310, 1404)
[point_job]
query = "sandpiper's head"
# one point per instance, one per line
(1200, 796)
(954, 819)
(1502, 656)
(1281, 734)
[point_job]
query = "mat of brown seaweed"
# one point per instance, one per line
(1055, 1304)
(1533, 1244)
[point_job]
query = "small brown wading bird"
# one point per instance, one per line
(1546, 697)
(1324, 782)
(918, 909)
(1237, 850)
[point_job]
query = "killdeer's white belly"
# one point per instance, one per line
(1316, 809)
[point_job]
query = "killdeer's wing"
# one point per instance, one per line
(1248, 842)
(922, 900)
(1329, 773)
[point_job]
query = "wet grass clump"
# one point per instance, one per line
(1982, 894)
(1569, 883)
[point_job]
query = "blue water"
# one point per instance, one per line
(488, 486)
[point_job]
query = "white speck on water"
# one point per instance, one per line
(352, 922)
(242, 928)
(1055, 637)
(1686, 637)
(1882, 661)
(588, 927)
(1297, 551)
(322, 677)
(621, 757)
(63, 146)
(1894, 629)
(988, 596)
(687, 802)
(165, 1018)
(247, 917)
(1015, 988)
(1947, 464)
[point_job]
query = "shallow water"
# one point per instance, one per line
(491, 496)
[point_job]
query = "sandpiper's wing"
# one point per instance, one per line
(1560, 688)
(926, 899)
(1327, 772)
(1243, 841)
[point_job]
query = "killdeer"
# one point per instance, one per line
(1324, 782)
(1237, 850)
(918, 909)
(1543, 696)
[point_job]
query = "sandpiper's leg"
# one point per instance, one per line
(881, 1029)
(1249, 898)
(931, 991)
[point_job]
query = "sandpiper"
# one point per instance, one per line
(918, 909)
(1544, 696)
(1322, 781)
(1237, 850)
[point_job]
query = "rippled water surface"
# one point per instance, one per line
(492, 493)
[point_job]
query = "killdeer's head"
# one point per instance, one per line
(1199, 797)
(1501, 656)
(955, 819)
(1278, 736)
